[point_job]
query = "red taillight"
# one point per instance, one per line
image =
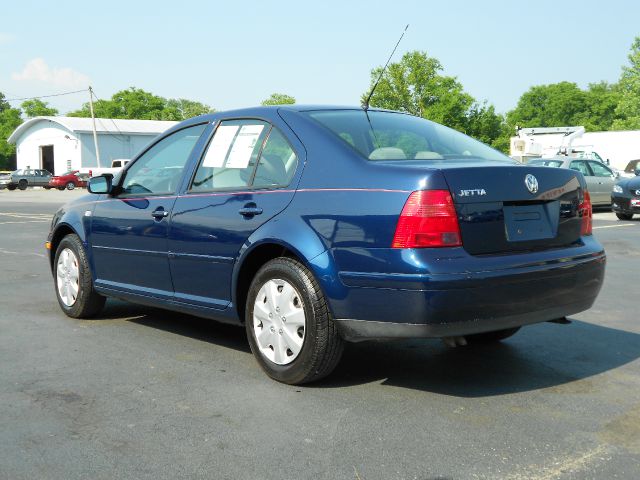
(586, 214)
(428, 219)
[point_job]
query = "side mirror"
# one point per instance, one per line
(101, 184)
(637, 172)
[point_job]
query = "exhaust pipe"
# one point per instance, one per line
(454, 341)
(561, 321)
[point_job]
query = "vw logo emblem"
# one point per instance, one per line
(638, 192)
(531, 182)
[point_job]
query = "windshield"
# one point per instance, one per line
(397, 136)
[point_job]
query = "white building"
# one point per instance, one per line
(60, 144)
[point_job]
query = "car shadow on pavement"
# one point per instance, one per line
(228, 336)
(537, 357)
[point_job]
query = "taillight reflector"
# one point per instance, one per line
(586, 214)
(428, 219)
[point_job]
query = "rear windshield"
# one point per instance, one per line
(397, 136)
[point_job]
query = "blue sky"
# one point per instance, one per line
(235, 54)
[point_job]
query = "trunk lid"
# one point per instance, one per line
(515, 208)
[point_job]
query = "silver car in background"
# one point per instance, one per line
(600, 178)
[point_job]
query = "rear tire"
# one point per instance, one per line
(70, 186)
(22, 184)
(490, 337)
(624, 216)
(47, 187)
(11, 187)
(306, 346)
(72, 275)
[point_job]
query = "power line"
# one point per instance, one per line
(92, 93)
(44, 96)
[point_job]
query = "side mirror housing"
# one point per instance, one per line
(100, 184)
(637, 172)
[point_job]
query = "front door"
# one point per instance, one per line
(240, 183)
(129, 229)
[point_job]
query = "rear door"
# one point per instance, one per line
(595, 187)
(129, 230)
(240, 183)
(605, 179)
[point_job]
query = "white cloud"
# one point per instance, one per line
(6, 38)
(37, 70)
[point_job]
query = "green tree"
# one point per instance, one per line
(554, 105)
(9, 121)
(279, 99)
(415, 85)
(602, 99)
(182, 109)
(628, 109)
(37, 108)
(135, 103)
(484, 124)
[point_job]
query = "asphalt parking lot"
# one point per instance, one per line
(144, 393)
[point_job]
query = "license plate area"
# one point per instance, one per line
(535, 221)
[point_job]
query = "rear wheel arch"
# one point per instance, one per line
(322, 267)
(251, 262)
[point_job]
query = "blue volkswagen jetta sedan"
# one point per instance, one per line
(313, 226)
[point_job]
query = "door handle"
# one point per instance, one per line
(159, 213)
(250, 210)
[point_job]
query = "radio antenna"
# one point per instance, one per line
(365, 105)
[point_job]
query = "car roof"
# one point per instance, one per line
(270, 110)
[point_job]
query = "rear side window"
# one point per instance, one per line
(243, 154)
(395, 136)
(277, 162)
(581, 167)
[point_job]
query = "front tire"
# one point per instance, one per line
(490, 337)
(289, 326)
(22, 184)
(11, 187)
(71, 186)
(73, 280)
(624, 216)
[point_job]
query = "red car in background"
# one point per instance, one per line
(69, 180)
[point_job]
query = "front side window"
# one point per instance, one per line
(159, 169)
(599, 170)
(396, 136)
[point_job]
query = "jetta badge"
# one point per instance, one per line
(531, 182)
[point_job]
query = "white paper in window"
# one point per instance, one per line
(243, 146)
(217, 151)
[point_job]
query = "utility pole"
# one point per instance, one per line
(93, 118)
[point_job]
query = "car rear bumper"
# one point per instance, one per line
(467, 303)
